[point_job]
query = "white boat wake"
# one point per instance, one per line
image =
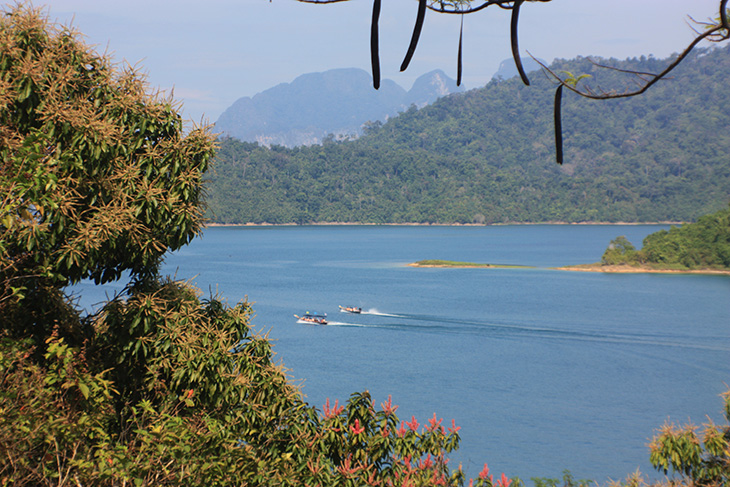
(339, 323)
(375, 312)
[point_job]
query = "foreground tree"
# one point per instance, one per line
(98, 180)
(702, 459)
(96, 176)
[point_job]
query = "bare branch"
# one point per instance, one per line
(651, 78)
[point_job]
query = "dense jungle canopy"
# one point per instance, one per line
(487, 156)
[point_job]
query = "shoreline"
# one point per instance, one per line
(627, 269)
(467, 266)
(608, 269)
(412, 224)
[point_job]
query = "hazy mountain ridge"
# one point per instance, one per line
(507, 68)
(488, 156)
(314, 105)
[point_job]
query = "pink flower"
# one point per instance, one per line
(356, 428)
(413, 425)
(347, 468)
(402, 429)
(504, 481)
(454, 428)
(438, 478)
(384, 432)
(332, 412)
(433, 423)
(484, 474)
(425, 463)
(388, 407)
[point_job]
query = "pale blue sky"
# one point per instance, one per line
(217, 51)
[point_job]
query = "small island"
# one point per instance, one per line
(702, 247)
(462, 265)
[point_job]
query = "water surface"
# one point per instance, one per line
(544, 370)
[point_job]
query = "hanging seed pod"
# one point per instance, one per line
(557, 121)
(515, 43)
(374, 47)
(416, 34)
(459, 57)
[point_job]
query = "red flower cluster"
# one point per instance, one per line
(388, 407)
(413, 424)
(504, 481)
(425, 463)
(330, 413)
(484, 474)
(356, 428)
(347, 469)
(433, 423)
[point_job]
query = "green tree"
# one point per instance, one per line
(160, 387)
(97, 176)
(702, 459)
(619, 251)
(704, 244)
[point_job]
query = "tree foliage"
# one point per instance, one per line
(704, 244)
(96, 176)
(99, 178)
(702, 459)
(620, 251)
(159, 387)
(630, 160)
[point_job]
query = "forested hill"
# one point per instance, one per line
(487, 156)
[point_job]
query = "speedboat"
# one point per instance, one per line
(316, 318)
(351, 309)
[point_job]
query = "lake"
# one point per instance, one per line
(544, 370)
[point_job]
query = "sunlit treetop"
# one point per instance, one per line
(97, 174)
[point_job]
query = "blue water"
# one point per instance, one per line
(544, 370)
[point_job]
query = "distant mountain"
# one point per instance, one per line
(315, 105)
(507, 68)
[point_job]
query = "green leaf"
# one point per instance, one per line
(84, 389)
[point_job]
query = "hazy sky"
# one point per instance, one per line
(216, 51)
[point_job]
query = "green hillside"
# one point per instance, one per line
(487, 156)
